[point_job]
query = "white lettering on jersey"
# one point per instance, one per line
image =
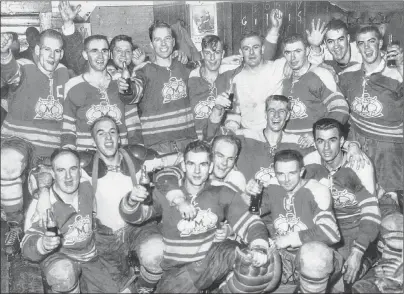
(48, 108)
(343, 198)
(288, 223)
(204, 221)
(104, 108)
(204, 108)
(175, 89)
(367, 106)
(79, 231)
(299, 110)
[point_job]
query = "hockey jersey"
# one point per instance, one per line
(189, 241)
(308, 212)
(36, 110)
(165, 111)
(376, 100)
(314, 95)
(85, 103)
(353, 192)
(75, 228)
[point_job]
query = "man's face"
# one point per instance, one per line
(296, 54)
(197, 167)
(163, 42)
(289, 174)
(224, 158)
(328, 143)
(369, 46)
(106, 138)
(97, 54)
(337, 42)
(50, 53)
(66, 167)
(251, 49)
(122, 52)
(213, 58)
(277, 115)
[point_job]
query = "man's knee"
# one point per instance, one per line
(62, 275)
(392, 231)
(150, 253)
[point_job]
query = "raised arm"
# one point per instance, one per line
(271, 39)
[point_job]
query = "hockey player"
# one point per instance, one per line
(353, 191)
(202, 262)
(68, 258)
(34, 114)
(301, 212)
(312, 90)
(375, 95)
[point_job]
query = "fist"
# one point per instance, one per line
(50, 241)
(138, 194)
(6, 41)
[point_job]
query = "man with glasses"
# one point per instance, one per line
(35, 115)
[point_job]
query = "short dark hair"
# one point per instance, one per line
(157, 25)
(211, 41)
(60, 151)
(102, 118)
(336, 24)
(249, 34)
(327, 124)
(118, 38)
(280, 98)
(367, 29)
(292, 38)
(198, 146)
(94, 37)
(289, 155)
(50, 34)
(229, 139)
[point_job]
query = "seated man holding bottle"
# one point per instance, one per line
(68, 257)
(302, 212)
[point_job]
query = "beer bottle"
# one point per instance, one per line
(126, 76)
(255, 202)
(391, 62)
(50, 222)
(145, 182)
(231, 96)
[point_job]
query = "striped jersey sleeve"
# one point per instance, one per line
(11, 72)
(138, 85)
(325, 225)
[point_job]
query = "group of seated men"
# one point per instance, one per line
(320, 141)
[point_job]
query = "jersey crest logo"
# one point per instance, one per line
(204, 221)
(79, 231)
(299, 110)
(288, 223)
(204, 108)
(265, 174)
(48, 108)
(104, 108)
(343, 198)
(367, 106)
(175, 89)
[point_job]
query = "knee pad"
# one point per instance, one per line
(62, 275)
(392, 231)
(151, 253)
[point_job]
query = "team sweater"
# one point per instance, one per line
(83, 104)
(165, 111)
(314, 95)
(190, 241)
(308, 212)
(256, 155)
(36, 110)
(75, 228)
(353, 192)
(376, 100)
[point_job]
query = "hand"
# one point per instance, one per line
(122, 85)
(233, 60)
(355, 155)
(316, 36)
(67, 12)
(306, 140)
(222, 100)
(182, 57)
(232, 126)
(351, 266)
(276, 18)
(50, 241)
(253, 187)
(6, 41)
(187, 210)
(139, 56)
(259, 258)
(139, 193)
(282, 242)
(394, 52)
(222, 232)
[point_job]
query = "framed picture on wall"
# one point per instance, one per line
(203, 20)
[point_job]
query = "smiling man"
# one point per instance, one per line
(375, 95)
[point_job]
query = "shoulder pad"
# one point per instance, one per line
(87, 162)
(141, 152)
